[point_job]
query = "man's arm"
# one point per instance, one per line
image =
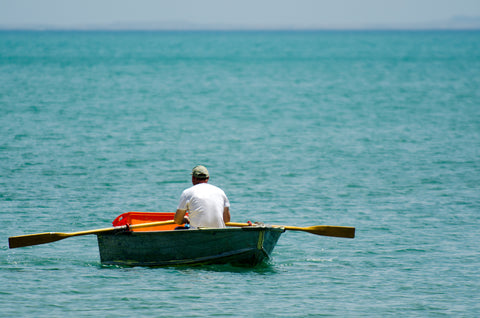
(226, 214)
(180, 217)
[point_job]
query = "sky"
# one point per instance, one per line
(255, 14)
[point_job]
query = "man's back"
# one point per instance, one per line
(205, 204)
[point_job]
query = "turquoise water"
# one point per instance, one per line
(377, 130)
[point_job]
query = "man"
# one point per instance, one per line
(207, 205)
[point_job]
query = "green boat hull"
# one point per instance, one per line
(247, 246)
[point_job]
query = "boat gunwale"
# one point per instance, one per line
(204, 229)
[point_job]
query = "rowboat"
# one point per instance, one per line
(165, 246)
(152, 239)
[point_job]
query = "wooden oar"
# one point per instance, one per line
(42, 238)
(325, 230)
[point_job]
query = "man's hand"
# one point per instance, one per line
(180, 217)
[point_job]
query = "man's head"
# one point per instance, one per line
(200, 174)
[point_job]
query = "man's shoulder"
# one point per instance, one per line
(217, 190)
(209, 187)
(188, 190)
(202, 187)
(213, 186)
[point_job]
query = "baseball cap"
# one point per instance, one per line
(200, 172)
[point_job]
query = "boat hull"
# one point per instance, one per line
(247, 246)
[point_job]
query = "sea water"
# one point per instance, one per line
(376, 130)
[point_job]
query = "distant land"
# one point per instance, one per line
(454, 23)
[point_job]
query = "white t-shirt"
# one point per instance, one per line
(205, 204)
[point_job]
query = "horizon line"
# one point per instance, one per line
(244, 29)
(455, 23)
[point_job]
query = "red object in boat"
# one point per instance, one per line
(132, 218)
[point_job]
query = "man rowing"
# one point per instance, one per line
(206, 204)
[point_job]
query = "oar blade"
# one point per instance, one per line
(324, 230)
(49, 237)
(35, 239)
(335, 231)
